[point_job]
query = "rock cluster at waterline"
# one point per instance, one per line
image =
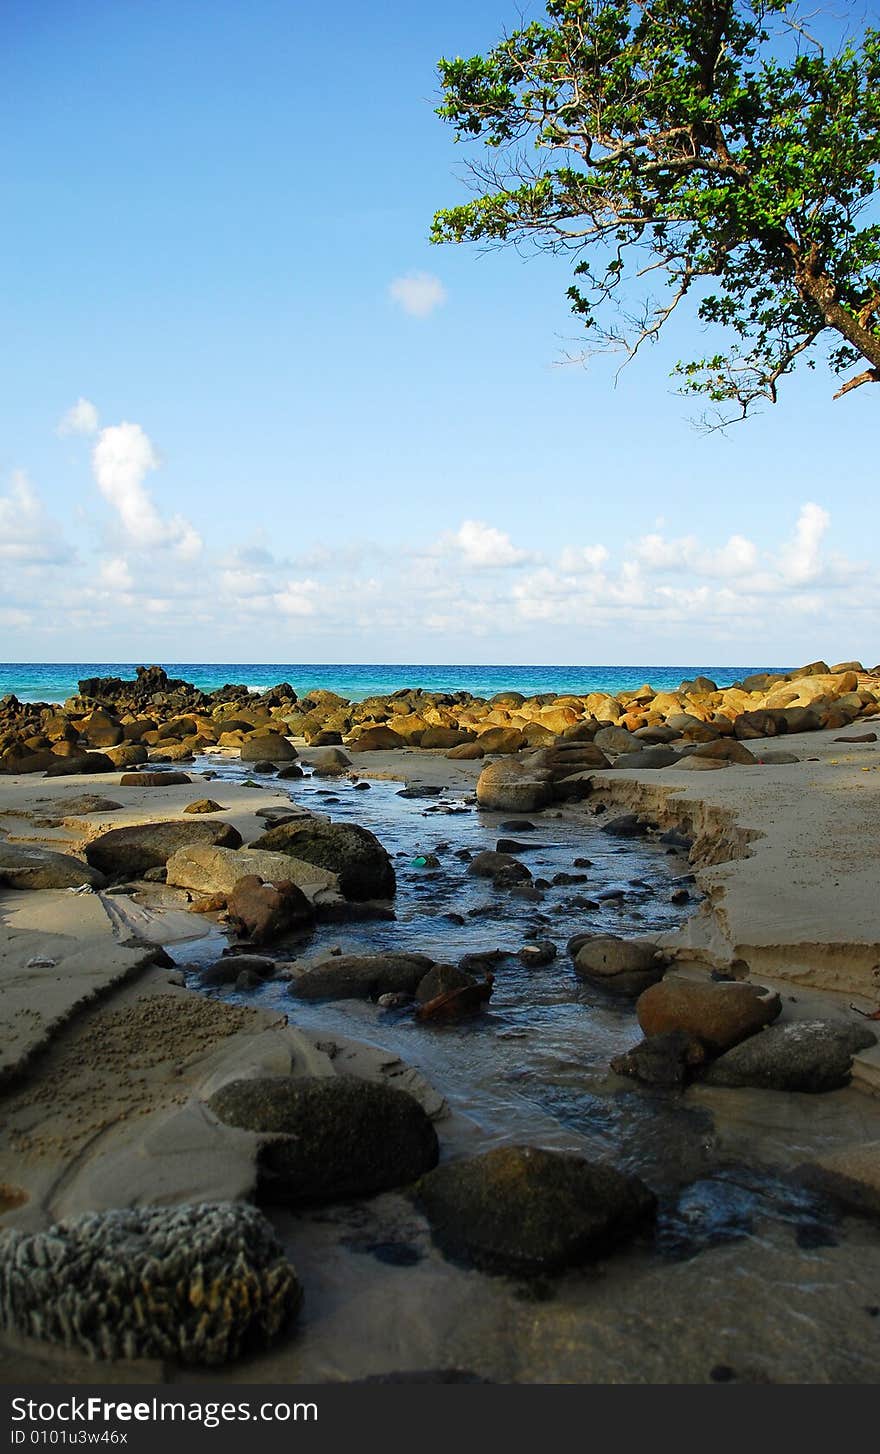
(154, 719)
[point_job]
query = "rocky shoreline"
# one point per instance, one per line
(178, 1105)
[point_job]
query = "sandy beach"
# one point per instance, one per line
(109, 1062)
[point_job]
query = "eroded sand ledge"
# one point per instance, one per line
(787, 857)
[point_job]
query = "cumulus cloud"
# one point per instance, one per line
(115, 575)
(81, 418)
(122, 458)
(484, 546)
(579, 558)
(28, 535)
(738, 556)
(800, 558)
(297, 598)
(418, 294)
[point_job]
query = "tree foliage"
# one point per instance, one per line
(709, 149)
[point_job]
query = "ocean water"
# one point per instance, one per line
(55, 681)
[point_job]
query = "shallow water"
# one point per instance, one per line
(535, 1065)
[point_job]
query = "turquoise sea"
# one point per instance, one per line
(55, 681)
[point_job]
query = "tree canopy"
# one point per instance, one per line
(711, 150)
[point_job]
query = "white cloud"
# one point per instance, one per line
(799, 558)
(297, 598)
(28, 535)
(116, 575)
(121, 459)
(484, 546)
(81, 418)
(579, 558)
(418, 293)
(738, 556)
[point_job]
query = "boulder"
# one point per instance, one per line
(651, 758)
(502, 740)
(354, 853)
(441, 980)
(154, 779)
(203, 805)
(266, 911)
(526, 1211)
(25, 866)
(87, 762)
(726, 749)
(616, 739)
(806, 1055)
(228, 967)
(498, 866)
(210, 870)
(100, 729)
(514, 787)
(719, 1015)
(626, 825)
(128, 754)
(128, 852)
(270, 746)
(332, 1137)
(623, 966)
(88, 803)
(376, 739)
(360, 976)
(199, 1283)
(445, 737)
(467, 752)
(666, 1060)
(330, 762)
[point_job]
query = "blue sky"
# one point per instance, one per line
(300, 432)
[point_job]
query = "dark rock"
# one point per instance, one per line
(627, 825)
(806, 1055)
(229, 966)
(266, 911)
(644, 758)
(89, 762)
(364, 867)
(130, 851)
(498, 866)
(154, 779)
(523, 1210)
(360, 976)
(623, 966)
(25, 866)
(332, 1138)
(204, 805)
(667, 1060)
(535, 956)
(440, 980)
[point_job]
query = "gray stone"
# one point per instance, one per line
(806, 1055)
(129, 851)
(520, 1209)
(667, 1060)
(332, 1137)
(354, 853)
(623, 966)
(25, 866)
(360, 976)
